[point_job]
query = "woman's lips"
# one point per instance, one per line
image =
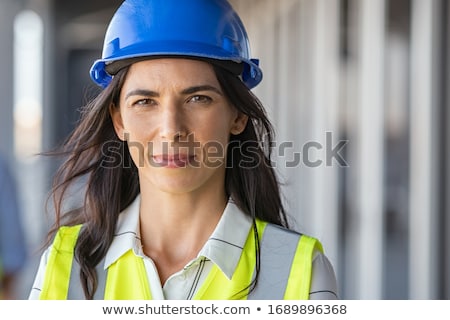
(172, 160)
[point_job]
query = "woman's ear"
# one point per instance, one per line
(239, 124)
(116, 118)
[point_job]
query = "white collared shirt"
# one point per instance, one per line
(223, 248)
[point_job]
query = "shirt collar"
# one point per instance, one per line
(223, 248)
(127, 235)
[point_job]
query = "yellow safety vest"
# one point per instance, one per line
(286, 263)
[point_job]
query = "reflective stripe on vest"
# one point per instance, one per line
(286, 261)
(59, 264)
(285, 272)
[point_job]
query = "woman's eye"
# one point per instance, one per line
(200, 99)
(144, 102)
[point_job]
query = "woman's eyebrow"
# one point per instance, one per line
(205, 87)
(142, 92)
(190, 90)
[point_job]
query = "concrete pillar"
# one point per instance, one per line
(8, 11)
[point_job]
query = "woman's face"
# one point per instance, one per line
(177, 122)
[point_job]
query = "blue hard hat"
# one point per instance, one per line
(204, 29)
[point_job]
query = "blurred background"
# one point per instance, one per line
(358, 91)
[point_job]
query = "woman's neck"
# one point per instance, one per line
(174, 227)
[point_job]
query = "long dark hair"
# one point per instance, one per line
(94, 152)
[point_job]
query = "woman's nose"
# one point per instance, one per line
(172, 125)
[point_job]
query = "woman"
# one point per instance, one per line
(181, 200)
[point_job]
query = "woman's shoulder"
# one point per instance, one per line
(282, 231)
(323, 282)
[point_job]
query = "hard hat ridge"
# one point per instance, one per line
(205, 29)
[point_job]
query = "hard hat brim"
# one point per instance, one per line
(103, 70)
